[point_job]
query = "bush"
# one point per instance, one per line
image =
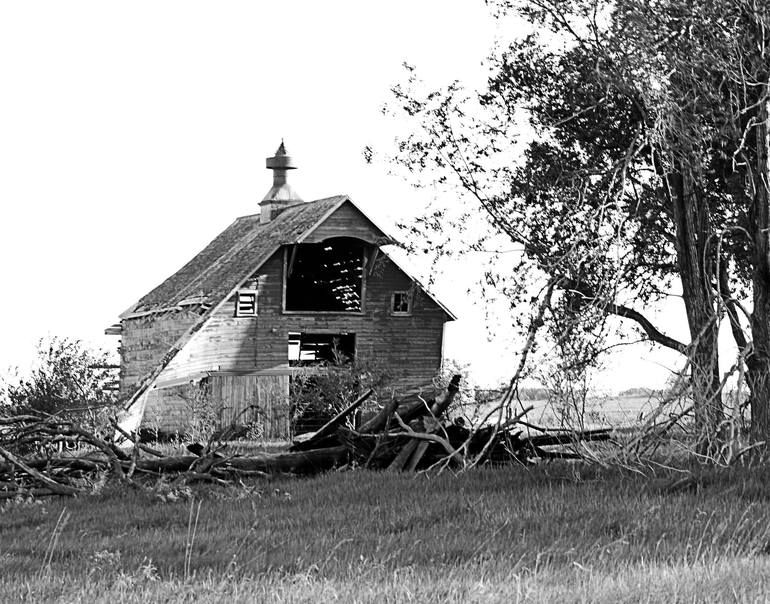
(68, 378)
(323, 391)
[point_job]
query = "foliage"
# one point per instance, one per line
(320, 392)
(467, 395)
(646, 167)
(68, 378)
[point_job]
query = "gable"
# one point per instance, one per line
(345, 221)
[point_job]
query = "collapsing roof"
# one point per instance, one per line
(233, 256)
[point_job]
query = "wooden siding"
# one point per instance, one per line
(168, 410)
(145, 340)
(410, 346)
(267, 395)
(346, 221)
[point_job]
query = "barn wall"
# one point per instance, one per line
(144, 341)
(409, 346)
(169, 410)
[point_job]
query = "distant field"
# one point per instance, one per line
(614, 411)
(555, 533)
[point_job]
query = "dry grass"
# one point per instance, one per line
(558, 532)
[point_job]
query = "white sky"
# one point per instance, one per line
(132, 133)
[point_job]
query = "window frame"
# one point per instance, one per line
(348, 313)
(407, 293)
(238, 308)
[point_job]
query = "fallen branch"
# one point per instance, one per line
(56, 487)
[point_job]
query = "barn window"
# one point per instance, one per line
(246, 303)
(321, 348)
(326, 276)
(401, 303)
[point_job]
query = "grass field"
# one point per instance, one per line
(558, 532)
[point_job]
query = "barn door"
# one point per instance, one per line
(261, 401)
(273, 403)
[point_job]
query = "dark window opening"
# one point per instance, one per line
(401, 303)
(321, 348)
(246, 303)
(325, 277)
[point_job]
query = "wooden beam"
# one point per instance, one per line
(331, 426)
(293, 257)
(373, 259)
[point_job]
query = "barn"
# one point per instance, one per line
(277, 290)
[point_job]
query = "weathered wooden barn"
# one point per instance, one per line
(275, 290)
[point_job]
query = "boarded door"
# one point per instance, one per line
(261, 401)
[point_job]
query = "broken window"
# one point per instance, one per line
(246, 303)
(325, 277)
(401, 303)
(321, 348)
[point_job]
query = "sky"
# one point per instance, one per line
(132, 133)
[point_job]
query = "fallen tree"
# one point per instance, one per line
(405, 435)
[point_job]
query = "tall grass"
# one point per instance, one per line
(556, 531)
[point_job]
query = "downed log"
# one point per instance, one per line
(412, 452)
(300, 462)
(379, 421)
(84, 464)
(403, 455)
(568, 438)
(329, 427)
(162, 465)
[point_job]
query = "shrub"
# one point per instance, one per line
(322, 391)
(68, 379)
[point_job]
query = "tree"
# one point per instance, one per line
(647, 165)
(68, 378)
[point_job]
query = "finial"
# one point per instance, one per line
(281, 160)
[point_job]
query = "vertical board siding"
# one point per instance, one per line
(259, 400)
(347, 221)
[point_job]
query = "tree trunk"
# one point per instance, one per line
(758, 362)
(691, 218)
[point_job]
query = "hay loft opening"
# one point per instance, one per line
(326, 276)
(321, 348)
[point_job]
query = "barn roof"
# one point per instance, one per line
(232, 256)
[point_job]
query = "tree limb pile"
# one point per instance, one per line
(403, 436)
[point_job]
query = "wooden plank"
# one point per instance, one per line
(403, 456)
(329, 427)
(379, 421)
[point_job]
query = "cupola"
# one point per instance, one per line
(281, 194)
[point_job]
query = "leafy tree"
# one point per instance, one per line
(68, 378)
(647, 165)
